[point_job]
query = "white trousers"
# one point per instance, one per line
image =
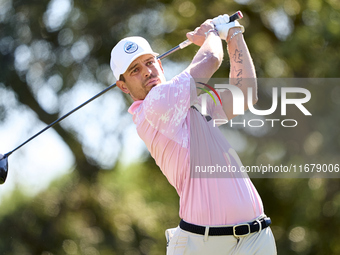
(185, 243)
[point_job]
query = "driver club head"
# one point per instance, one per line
(3, 169)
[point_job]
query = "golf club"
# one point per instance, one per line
(4, 160)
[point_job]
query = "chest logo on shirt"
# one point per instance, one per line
(130, 47)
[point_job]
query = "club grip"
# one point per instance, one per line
(235, 16)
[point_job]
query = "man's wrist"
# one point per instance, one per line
(233, 32)
(212, 30)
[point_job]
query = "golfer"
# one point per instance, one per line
(219, 214)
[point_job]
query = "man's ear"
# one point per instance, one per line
(160, 64)
(122, 86)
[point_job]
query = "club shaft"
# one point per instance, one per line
(61, 118)
(182, 45)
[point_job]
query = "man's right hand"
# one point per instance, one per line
(198, 35)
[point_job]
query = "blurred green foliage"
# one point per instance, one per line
(125, 210)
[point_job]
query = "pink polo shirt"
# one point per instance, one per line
(180, 139)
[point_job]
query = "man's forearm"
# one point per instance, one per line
(208, 58)
(212, 46)
(242, 70)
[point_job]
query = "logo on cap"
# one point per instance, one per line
(130, 47)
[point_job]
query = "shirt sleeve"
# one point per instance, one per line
(167, 105)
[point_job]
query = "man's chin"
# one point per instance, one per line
(151, 87)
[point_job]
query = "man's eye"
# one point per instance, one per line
(135, 70)
(150, 63)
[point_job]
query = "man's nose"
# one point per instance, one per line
(147, 71)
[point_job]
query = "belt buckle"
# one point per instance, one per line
(238, 236)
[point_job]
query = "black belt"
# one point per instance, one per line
(238, 230)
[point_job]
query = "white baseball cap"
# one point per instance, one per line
(126, 51)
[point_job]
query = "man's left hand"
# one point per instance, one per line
(223, 25)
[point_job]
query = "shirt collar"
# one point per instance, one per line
(135, 105)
